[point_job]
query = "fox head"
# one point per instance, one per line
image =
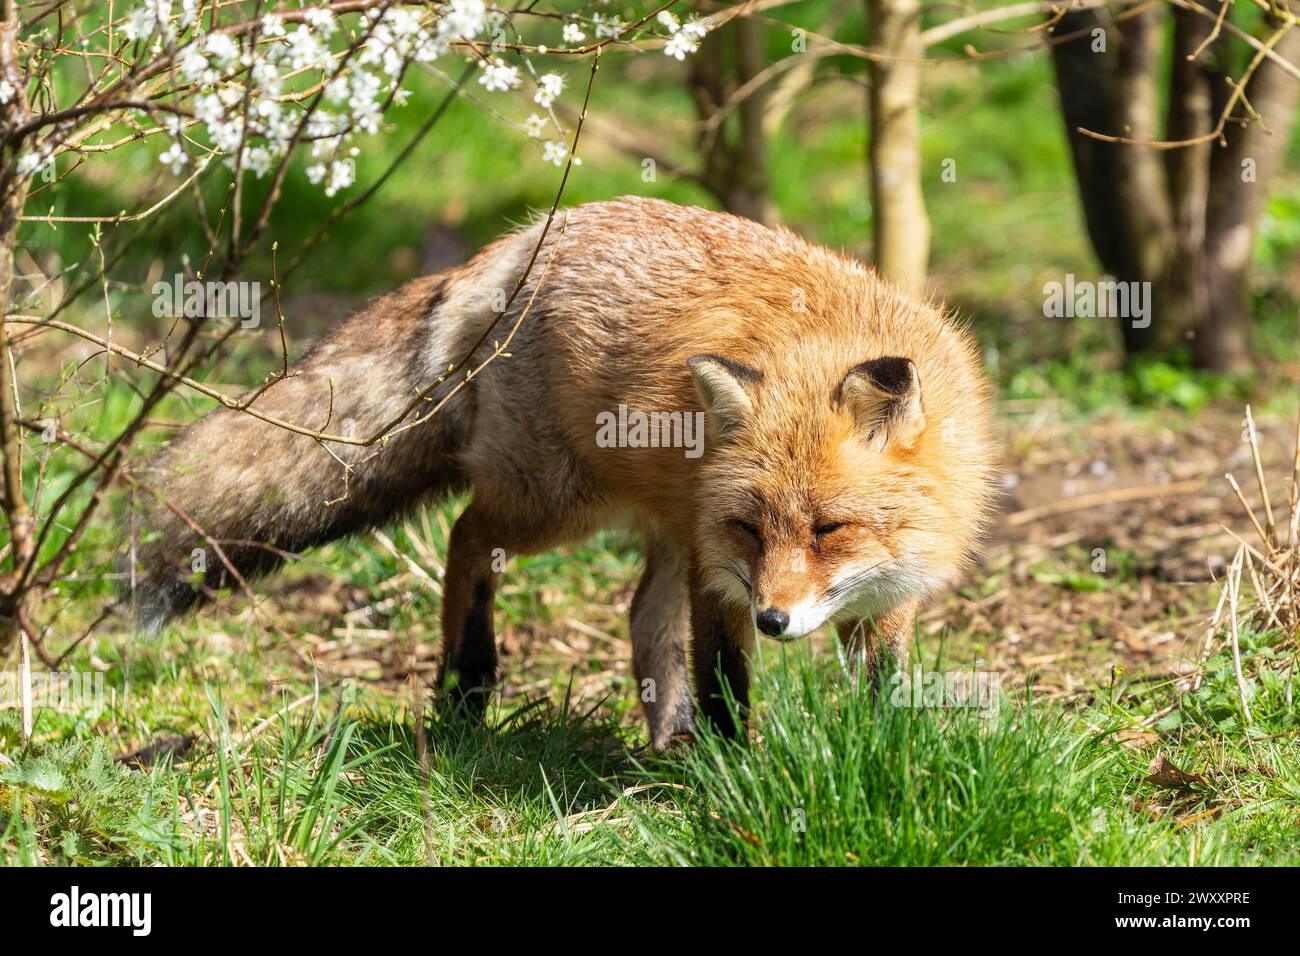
(828, 492)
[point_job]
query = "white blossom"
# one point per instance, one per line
(29, 163)
(534, 125)
(149, 18)
(266, 77)
(364, 101)
(268, 113)
(395, 38)
(342, 174)
(257, 159)
(678, 45)
(194, 66)
(321, 20)
(326, 130)
(208, 109)
(606, 28)
(220, 47)
(685, 37)
(227, 134)
(336, 90)
(695, 28)
(250, 119)
(499, 76)
(553, 152)
(174, 158)
(231, 96)
(549, 87)
(463, 19)
(306, 51)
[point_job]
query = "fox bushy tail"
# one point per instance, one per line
(233, 491)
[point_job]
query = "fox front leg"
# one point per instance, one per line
(660, 625)
(871, 644)
(719, 635)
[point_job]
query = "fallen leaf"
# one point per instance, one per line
(1164, 774)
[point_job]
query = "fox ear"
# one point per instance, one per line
(723, 386)
(884, 396)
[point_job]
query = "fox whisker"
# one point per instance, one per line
(851, 584)
(749, 588)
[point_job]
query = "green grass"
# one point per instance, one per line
(835, 775)
(848, 778)
(844, 779)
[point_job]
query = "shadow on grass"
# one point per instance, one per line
(534, 784)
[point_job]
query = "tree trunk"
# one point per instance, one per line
(1182, 288)
(1122, 187)
(1222, 340)
(901, 228)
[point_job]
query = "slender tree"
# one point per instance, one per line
(901, 228)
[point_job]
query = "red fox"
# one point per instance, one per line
(842, 471)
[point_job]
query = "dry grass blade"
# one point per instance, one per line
(1262, 594)
(1271, 540)
(1250, 512)
(26, 680)
(402, 557)
(1233, 583)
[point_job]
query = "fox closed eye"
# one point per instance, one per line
(829, 528)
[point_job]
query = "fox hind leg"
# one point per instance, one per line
(469, 648)
(660, 625)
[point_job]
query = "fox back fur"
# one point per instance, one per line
(845, 472)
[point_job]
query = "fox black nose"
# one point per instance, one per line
(773, 622)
